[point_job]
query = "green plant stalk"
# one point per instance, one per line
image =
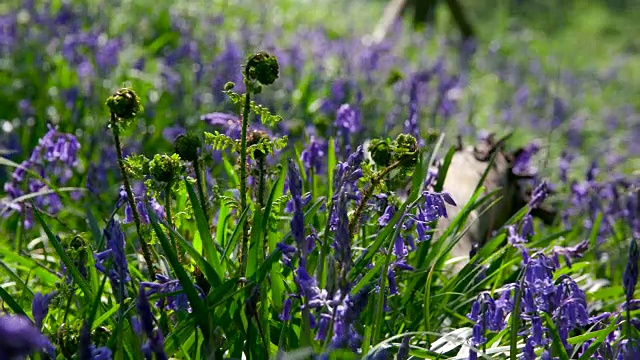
(146, 253)
(261, 182)
(200, 182)
(167, 209)
(355, 220)
(243, 179)
(264, 298)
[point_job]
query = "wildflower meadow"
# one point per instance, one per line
(280, 180)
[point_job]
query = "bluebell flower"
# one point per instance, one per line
(630, 276)
(40, 306)
(384, 219)
(140, 204)
(403, 350)
(19, 337)
(522, 162)
(347, 124)
(285, 315)
(155, 340)
(313, 155)
(570, 253)
(411, 125)
(433, 205)
(347, 313)
(178, 301)
(118, 271)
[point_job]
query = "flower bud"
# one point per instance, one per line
(125, 104)
(263, 68)
(229, 86)
(186, 146)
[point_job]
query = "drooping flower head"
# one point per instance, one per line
(19, 338)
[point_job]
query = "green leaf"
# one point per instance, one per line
(96, 303)
(203, 230)
(235, 236)
(43, 273)
(9, 300)
(442, 173)
(207, 270)
(104, 317)
(257, 246)
(200, 311)
(16, 278)
(601, 336)
(515, 319)
(557, 342)
(331, 164)
(75, 274)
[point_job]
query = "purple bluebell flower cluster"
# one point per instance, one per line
(54, 159)
(175, 298)
(140, 197)
(113, 260)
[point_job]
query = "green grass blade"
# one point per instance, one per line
(16, 278)
(256, 247)
(75, 274)
(200, 311)
(203, 230)
(602, 335)
(442, 173)
(235, 236)
(9, 300)
(207, 270)
(557, 342)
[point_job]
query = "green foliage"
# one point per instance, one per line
(166, 169)
(220, 141)
(137, 166)
(237, 313)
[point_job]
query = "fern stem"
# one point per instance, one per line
(167, 209)
(355, 220)
(243, 179)
(146, 253)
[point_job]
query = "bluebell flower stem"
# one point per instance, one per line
(243, 179)
(146, 253)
